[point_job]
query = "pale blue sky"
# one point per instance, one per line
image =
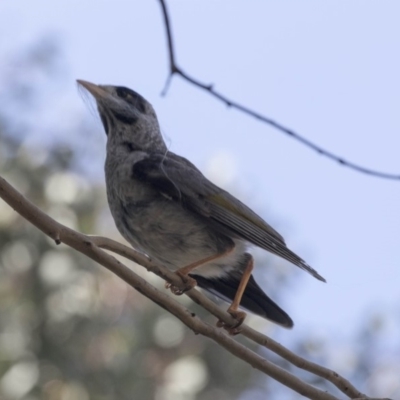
(327, 69)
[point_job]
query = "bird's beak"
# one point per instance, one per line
(95, 90)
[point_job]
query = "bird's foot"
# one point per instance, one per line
(188, 283)
(234, 329)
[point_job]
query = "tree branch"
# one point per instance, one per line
(90, 246)
(174, 69)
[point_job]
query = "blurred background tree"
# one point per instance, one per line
(69, 330)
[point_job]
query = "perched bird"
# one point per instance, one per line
(165, 207)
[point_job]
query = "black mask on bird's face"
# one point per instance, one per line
(126, 115)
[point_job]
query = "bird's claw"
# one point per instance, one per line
(188, 283)
(234, 329)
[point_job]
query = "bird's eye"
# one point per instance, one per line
(126, 94)
(131, 97)
(128, 97)
(123, 93)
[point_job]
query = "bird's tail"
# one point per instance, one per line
(253, 300)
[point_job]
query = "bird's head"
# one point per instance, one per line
(128, 118)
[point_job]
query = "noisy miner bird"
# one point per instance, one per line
(165, 207)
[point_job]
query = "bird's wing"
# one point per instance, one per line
(178, 179)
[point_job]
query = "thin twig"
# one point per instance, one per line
(174, 69)
(87, 246)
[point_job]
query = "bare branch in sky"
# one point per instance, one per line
(174, 69)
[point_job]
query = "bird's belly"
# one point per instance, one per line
(174, 236)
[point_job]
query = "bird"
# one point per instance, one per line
(166, 208)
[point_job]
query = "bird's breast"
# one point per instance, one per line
(161, 227)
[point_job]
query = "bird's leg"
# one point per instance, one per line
(233, 308)
(183, 272)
